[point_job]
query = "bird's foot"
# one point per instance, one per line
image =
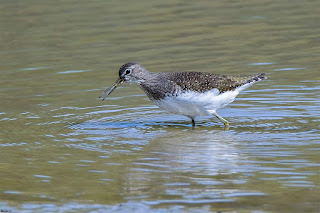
(226, 126)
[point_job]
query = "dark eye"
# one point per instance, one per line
(128, 71)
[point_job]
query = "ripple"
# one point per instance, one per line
(105, 179)
(41, 176)
(130, 206)
(261, 63)
(242, 194)
(13, 144)
(35, 68)
(97, 171)
(64, 115)
(12, 192)
(183, 201)
(290, 68)
(87, 161)
(287, 173)
(73, 71)
(54, 162)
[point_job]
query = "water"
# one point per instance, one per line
(63, 150)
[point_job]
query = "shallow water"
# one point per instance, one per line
(63, 150)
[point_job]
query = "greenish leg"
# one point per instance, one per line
(225, 122)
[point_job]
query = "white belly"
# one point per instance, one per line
(193, 104)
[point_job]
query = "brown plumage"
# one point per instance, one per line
(175, 83)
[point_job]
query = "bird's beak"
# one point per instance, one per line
(108, 91)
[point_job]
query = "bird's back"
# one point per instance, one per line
(202, 81)
(195, 93)
(175, 83)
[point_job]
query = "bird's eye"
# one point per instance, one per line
(128, 71)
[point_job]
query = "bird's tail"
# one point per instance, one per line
(249, 80)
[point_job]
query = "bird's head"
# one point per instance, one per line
(128, 73)
(131, 72)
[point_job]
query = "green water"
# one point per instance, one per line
(63, 150)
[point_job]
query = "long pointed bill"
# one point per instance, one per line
(108, 91)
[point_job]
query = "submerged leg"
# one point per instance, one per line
(193, 123)
(225, 122)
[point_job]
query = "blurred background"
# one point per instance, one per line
(63, 150)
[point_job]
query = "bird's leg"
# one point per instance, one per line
(225, 122)
(193, 123)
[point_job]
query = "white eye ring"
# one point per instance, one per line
(128, 71)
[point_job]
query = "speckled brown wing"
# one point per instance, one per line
(201, 81)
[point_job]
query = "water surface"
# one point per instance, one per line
(63, 150)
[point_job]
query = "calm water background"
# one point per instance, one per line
(63, 150)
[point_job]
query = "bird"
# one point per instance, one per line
(189, 93)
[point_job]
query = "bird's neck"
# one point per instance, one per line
(144, 76)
